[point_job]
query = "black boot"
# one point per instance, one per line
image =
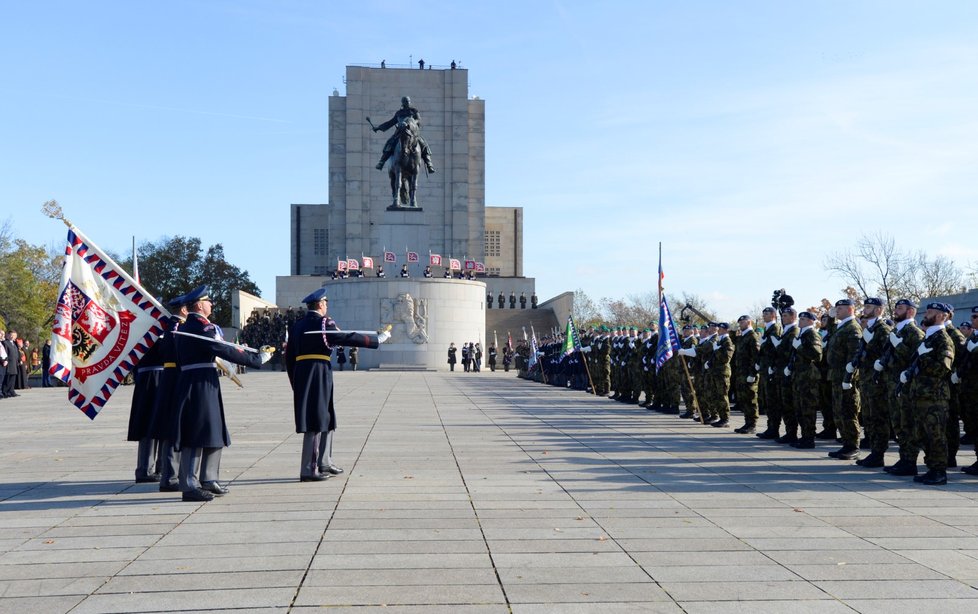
(846, 452)
(933, 477)
(787, 438)
(903, 468)
(805, 443)
(747, 429)
(873, 461)
(971, 470)
(770, 433)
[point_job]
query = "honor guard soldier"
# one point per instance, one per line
(959, 341)
(145, 390)
(201, 427)
(404, 271)
(744, 375)
(163, 423)
(873, 393)
(786, 397)
(307, 361)
(826, 326)
(805, 376)
(843, 349)
(688, 342)
(719, 374)
(928, 381)
(968, 374)
(768, 400)
(904, 339)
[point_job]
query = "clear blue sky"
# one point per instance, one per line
(751, 138)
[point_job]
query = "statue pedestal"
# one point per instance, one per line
(403, 208)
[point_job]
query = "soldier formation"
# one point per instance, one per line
(873, 379)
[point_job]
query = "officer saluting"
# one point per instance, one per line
(307, 361)
(201, 428)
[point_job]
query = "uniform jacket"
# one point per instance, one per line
(842, 349)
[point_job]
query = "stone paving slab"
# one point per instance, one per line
(470, 494)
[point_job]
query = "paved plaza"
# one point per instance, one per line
(470, 493)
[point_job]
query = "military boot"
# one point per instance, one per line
(787, 438)
(971, 469)
(770, 433)
(902, 467)
(846, 452)
(747, 429)
(934, 477)
(873, 461)
(805, 443)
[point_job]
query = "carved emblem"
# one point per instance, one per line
(408, 316)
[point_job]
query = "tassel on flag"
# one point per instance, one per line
(434, 259)
(352, 264)
(454, 264)
(390, 256)
(368, 262)
(104, 322)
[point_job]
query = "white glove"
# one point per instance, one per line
(923, 349)
(796, 343)
(878, 366)
(384, 336)
(691, 352)
(775, 341)
(707, 365)
(770, 370)
(972, 345)
(265, 356)
(586, 350)
(895, 339)
(903, 377)
(850, 368)
(716, 346)
(954, 378)
(867, 335)
(846, 386)
(757, 367)
(751, 379)
(787, 372)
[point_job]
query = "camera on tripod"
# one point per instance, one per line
(780, 299)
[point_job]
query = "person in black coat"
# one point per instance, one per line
(452, 359)
(466, 357)
(9, 372)
(201, 428)
(163, 421)
(492, 357)
(148, 374)
(341, 357)
(307, 361)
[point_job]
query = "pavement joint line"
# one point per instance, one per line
(468, 493)
(339, 498)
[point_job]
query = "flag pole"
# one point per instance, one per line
(583, 358)
(682, 359)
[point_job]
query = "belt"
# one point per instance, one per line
(147, 369)
(313, 357)
(169, 365)
(198, 365)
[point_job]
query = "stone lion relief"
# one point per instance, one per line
(408, 316)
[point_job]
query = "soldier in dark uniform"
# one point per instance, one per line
(380, 271)
(145, 390)
(447, 274)
(719, 374)
(968, 395)
(959, 341)
(803, 371)
(826, 326)
(904, 339)
(201, 428)
(341, 357)
(162, 423)
(404, 271)
(786, 397)
(928, 380)
(522, 300)
(502, 299)
(492, 356)
(688, 342)
(842, 350)
(872, 390)
(404, 112)
(489, 300)
(743, 374)
(768, 399)
(427, 272)
(307, 361)
(512, 300)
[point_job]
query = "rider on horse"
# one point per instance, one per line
(404, 112)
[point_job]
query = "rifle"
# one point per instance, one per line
(856, 360)
(912, 372)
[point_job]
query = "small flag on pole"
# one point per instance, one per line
(480, 268)
(352, 264)
(571, 341)
(412, 257)
(454, 264)
(434, 259)
(390, 256)
(368, 262)
(341, 265)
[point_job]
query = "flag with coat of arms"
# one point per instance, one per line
(104, 322)
(434, 259)
(390, 256)
(352, 264)
(412, 257)
(341, 265)
(368, 262)
(454, 264)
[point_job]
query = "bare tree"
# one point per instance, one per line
(929, 278)
(874, 267)
(585, 311)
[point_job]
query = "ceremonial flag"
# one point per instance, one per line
(509, 339)
(368, 262)
(533, 352)
(454, 264)
(341, 265)
(480, 268)
(571, 341)
(412, 257)
(469, 265)
(389, 256)
(353, 264)
(668, 336)
(434, 259)
(103, 324)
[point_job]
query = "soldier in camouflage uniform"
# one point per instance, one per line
(968, 374)
(805, 376)
(743, 375)
(767, 390)
(789, 319)
(602, 362)
(842, 350)
(928, 380)
(904, 339)
(827, 327)
(699, 354)
(959, 341)
(615, 358)
(873, 390)
(688, 342)
(718, 373)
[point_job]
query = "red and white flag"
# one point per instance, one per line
(368, 262)
(352, 264)
(434, 259)
(454, 264)
(470, 265)
(103, 324)
(390, 256)
(412, 257)
(341, 265)
(480, 268)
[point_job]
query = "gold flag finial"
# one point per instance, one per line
(53, 210)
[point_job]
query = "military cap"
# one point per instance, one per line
(907, 302)
(177, 301)
(315, 296)
(950, 307)
(723, 325)
(768, 310)
(974, 310)
(200, 293)
(878, 302)
(744, 318)
(808, 315)
(939, 307)
(632, 328)
(965, 323)
(688, 327)
(704, 326)
(790, 310)
(844, 302)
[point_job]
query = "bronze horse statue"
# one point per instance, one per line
(405, 163)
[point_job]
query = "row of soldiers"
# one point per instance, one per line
(890, 378)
